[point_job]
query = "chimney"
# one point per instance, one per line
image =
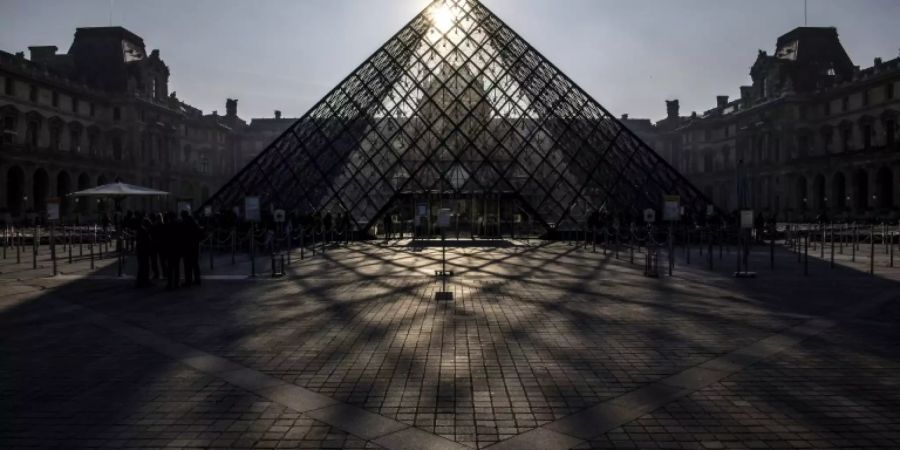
(672, 109)
(722, 101)
(878, 62)
(231, 107)
(277, 114)
(39, 52)
(745, 93)
(216, 113)
(624, 116)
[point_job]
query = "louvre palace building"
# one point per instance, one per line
(102, 112)
(813, 135)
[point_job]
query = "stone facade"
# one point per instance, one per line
(99, 113)
(812, 135)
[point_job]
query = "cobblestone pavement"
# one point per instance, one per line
(536, 335)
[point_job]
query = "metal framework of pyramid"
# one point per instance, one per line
(458, 106)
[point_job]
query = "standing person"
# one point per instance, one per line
(157, 255)
(191, 236)
(171, 231)
(143, 250)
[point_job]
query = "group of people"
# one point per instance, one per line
(163, 243)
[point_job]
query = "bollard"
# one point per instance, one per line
(594, 240)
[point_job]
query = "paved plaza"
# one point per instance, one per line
(545, 346)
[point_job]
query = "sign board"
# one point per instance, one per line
(517, 218)
(251, 209)
(671, 208)
(279, 216)
(710, 210)
(207, 211)
(53, 210)
(747, 219)
(444, 216)
(395, 218)
(184, 205)
(649, 215)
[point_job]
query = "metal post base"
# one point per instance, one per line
(443, 296)
(745, 274)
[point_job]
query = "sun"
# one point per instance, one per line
(443, 17)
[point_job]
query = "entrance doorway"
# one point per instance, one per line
(473, 215)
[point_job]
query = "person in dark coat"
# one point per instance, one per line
(158, 263)
(170, 247)
(190, 238)
(143, 248)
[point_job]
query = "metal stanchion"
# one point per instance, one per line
(832, 246)
(253, 250)
(806, 254)
(872, 249)
(773, 231)
(233, 245)
(302, 245)
(34, 247)
(119, 252)
(69, 235)
(52, 243)
(822, 238)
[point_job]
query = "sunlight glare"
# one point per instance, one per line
(443, 17)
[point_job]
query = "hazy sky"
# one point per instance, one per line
(286, 54)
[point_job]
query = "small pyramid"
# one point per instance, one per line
(458, 107)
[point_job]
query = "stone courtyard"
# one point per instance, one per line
(546, 346)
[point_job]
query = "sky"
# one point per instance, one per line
(287, 54)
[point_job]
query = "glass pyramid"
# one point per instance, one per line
(458, 107)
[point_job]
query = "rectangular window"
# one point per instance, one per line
(890, 130)
(92, 144)
(55, 99)
(867, 136)
(31, 133)
(9, 129)
(845, 104)
(75, 141)
(74, 105)
(33, 93)
(92, 108)
(117, 114)
(827, 108)
(889, 91)
(9, 86)
(55, 134)
(865, 97)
